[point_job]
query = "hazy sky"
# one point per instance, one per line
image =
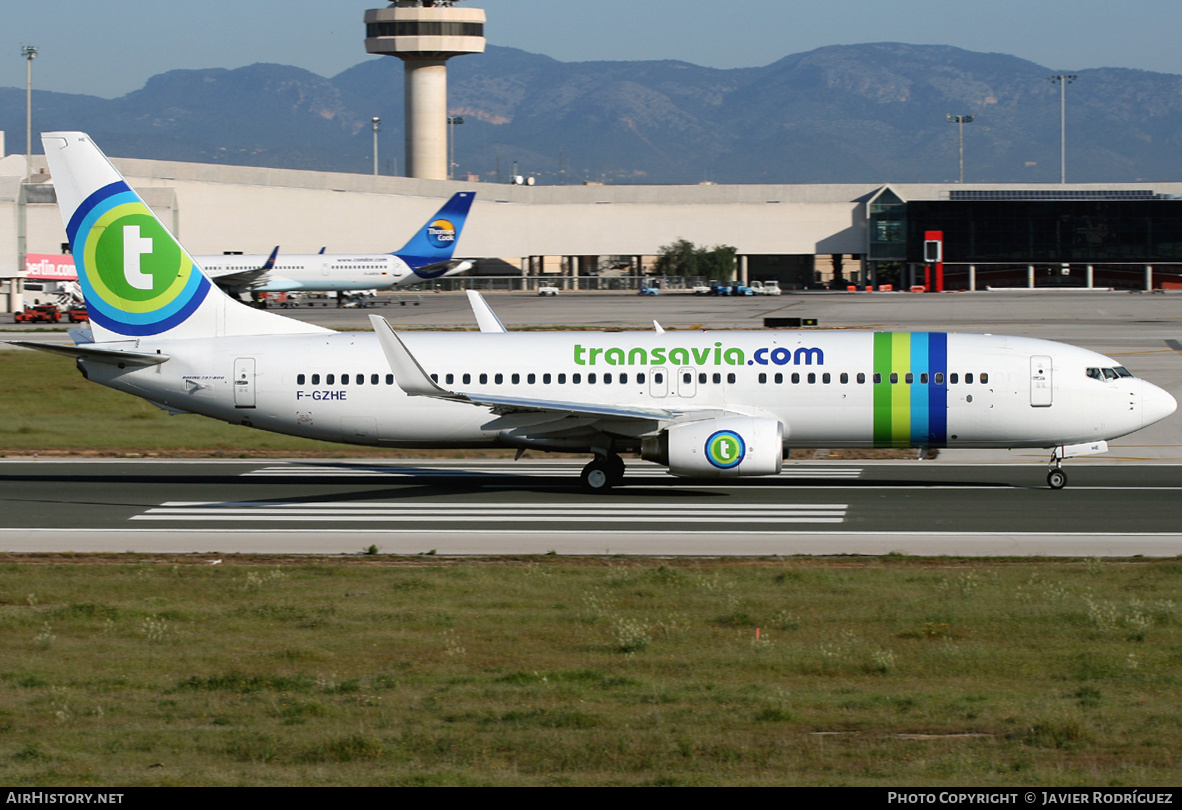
(112, 47)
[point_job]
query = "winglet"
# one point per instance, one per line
(409, 375)
(486, 319)
(269, 264)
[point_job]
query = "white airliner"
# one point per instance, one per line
(706, 404)
(427, 256)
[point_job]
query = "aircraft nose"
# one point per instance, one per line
(1156, 404)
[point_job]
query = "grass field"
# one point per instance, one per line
(368, 671)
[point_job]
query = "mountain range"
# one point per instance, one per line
(839, 114)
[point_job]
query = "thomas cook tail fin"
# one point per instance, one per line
(429, 251)
(137, 279)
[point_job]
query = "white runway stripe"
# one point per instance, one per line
(555, 470)
(468, 512)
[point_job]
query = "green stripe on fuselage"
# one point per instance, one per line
(882, 389)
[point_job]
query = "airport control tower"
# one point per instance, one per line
(424, 34)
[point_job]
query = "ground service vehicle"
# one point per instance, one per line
(38, 313)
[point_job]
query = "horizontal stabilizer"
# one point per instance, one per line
(91, 352)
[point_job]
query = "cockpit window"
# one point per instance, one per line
(1109, 374)
(1121, 371)
(1095, 374)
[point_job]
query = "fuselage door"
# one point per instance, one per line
(244, 382)
(1040, 381)
(686, 385)
(658, 385)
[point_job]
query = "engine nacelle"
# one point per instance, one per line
(731, 446)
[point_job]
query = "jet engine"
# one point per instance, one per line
(719, 448)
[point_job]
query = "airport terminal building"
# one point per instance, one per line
(805, 236)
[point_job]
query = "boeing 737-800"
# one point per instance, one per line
(705, 404)
(427, 256)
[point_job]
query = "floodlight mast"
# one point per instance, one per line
(1063, 79)
(961, 120)
(29, 52)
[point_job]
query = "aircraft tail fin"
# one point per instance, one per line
(137, 279)
(428, 250)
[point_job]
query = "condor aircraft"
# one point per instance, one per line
(427, 256)
(706, 404)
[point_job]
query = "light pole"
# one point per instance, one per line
(452, 123)
(29, 52)
(960, 121)
(377, 126)
(1063, 79)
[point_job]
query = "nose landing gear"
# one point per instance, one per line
(1056, 478)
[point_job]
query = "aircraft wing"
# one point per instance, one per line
(412, 379)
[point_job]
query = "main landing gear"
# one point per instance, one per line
(602, 473)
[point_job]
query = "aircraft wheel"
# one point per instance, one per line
(615, 468)
(1056, 479)
(596, 476)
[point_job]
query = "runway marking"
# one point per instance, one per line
(515, 513)
(545, 470)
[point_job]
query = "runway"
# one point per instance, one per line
(536, 507)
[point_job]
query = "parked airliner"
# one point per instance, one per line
(427, 256)
(705, 404)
